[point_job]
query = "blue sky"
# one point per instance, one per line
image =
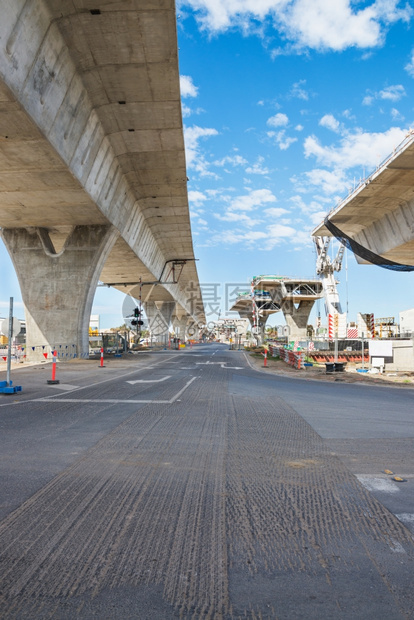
(286, 105)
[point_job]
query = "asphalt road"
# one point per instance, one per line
(185, 484)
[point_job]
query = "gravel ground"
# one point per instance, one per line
(318, 373)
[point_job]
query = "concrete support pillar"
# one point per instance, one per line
(180, 327)
(159, 316)
(260, 336)
(259, 333)
(297, 318)
(58, 288)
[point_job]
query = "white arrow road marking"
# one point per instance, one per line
(149, 380)
(210, 363)
(222, 364)
(116, 400)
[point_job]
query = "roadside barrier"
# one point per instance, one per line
(53, 380)
(293, 358)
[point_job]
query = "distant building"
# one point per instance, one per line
(407, 322)
(94, 324)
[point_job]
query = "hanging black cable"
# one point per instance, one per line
(364, 253)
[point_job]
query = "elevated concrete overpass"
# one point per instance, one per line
(293, 296)
(379, 214)
(93, 181)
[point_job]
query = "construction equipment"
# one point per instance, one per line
(325, 268)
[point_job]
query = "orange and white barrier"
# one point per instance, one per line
(293, 358)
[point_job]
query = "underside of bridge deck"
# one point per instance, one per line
(91, 135)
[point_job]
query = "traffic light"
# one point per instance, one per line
(136, 321)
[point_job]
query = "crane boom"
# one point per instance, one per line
(326, 269)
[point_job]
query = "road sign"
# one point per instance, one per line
(4, 327)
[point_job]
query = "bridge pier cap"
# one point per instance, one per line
(58, 288)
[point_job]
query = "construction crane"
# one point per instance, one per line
(326, 268)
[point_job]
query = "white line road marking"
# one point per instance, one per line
(117, 400)
(174, 398)
(99, 400)
(149, 380)
(373, 483)
(406, 517)
(51, 397)
(115, 378)
(65, 386)
(396, 546)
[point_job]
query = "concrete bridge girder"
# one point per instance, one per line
(379, 214)
(391, 236)
(94, 132)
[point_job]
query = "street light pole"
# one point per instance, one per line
(10, 336)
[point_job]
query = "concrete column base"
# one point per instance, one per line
(180, 328)
(159, 316)
(260, 336)
(297, 318)
(58, 288)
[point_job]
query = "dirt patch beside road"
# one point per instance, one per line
(318, 373)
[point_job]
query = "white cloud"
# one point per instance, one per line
(348, 114)
(235, 216)
(358, 149)
(298, 91)
(275, 211)
(392, 93)
(317, 217)
(245, 238)
(368, 100)
(328, 182)
(196, 198)
(280, 233)
(233, 160)
(313, 206)
(278, 120)
(389, 93)
(254, 199)
(299, 128)
(316, 24)
(396, 115)
(195, 159)
(279, 230)
(187, 87)
(409, 67)
(186, 110)
(258, 167)
(330, 122)
(283, 141)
